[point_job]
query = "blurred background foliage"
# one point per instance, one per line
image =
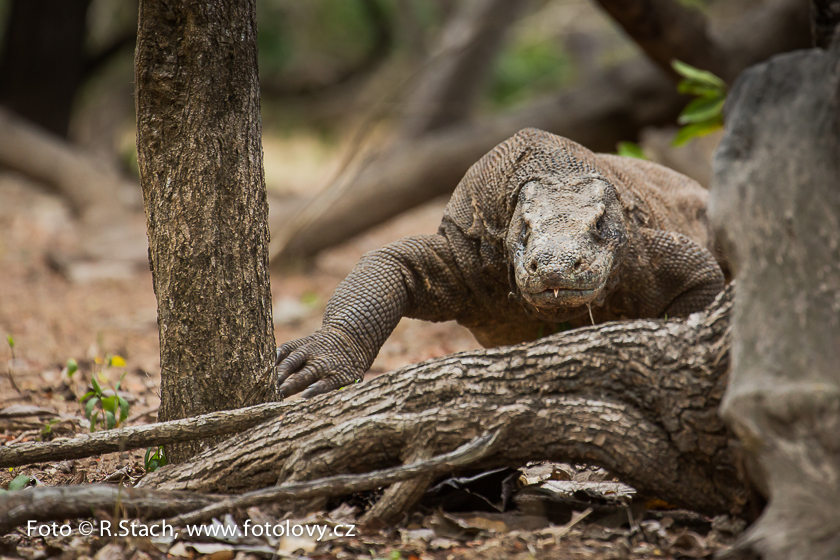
(327, 65)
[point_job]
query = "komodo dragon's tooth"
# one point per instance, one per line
(555, 292)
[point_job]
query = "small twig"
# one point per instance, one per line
(11, 366)
(22, 436)
(345, 484)
(577, 517)
(136, 437)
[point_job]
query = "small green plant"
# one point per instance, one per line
(20, 482)
(9, 372)
(704, 114)
(154, 461)
(111, 410)
(71, 368)
(46, 429)
(630, 149)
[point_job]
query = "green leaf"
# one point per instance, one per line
(695, 74)
(20, 482)
(86, 396)
(123, 409)
(110, 404)
(96, 387)
(696, 130)
(93, 422)
(89, 408)
(117, 386)
(110, 419)
(688, 87)
(10, 340)
(630, 149)
(72, 367)
(702, 109)
(153, 461)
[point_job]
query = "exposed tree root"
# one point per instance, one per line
(68, 502)
(639, 398)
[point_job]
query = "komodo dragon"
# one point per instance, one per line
(541, 234)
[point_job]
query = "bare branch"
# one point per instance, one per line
(447, 88)
(70, 502)
(667, 30)
(48, 503)
(136, 437)
(613, 105)
(339, 485)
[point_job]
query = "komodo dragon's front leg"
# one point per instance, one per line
(414, 277)
(674, 276)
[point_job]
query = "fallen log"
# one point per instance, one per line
(638, 398)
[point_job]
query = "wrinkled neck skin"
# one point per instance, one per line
(565, 242)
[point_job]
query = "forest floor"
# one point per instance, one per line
(51, 319)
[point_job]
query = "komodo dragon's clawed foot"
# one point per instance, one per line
(320, 362)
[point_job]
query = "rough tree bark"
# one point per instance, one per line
(200, 157)
(776, 200)
(639, 398)
(614, 105)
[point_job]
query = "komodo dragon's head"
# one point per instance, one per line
(565, 239)
(549, 205)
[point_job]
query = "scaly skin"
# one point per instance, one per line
(540, 234)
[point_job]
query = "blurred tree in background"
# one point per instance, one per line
(378, 103)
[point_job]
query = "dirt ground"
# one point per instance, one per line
(51, 319)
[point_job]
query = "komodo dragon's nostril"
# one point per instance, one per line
(533, 266)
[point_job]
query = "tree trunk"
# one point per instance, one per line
(776, 200)
(43, 60)
(200, 157)
(639, 398)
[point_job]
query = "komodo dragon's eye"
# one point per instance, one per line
(525, 234)
(599, 223)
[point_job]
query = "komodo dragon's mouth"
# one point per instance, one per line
(557, 297)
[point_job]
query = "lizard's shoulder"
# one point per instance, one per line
(656, 197)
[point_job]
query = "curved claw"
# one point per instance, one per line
(343, 378)
(292, 363)
(300, 380)
(318, 363)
